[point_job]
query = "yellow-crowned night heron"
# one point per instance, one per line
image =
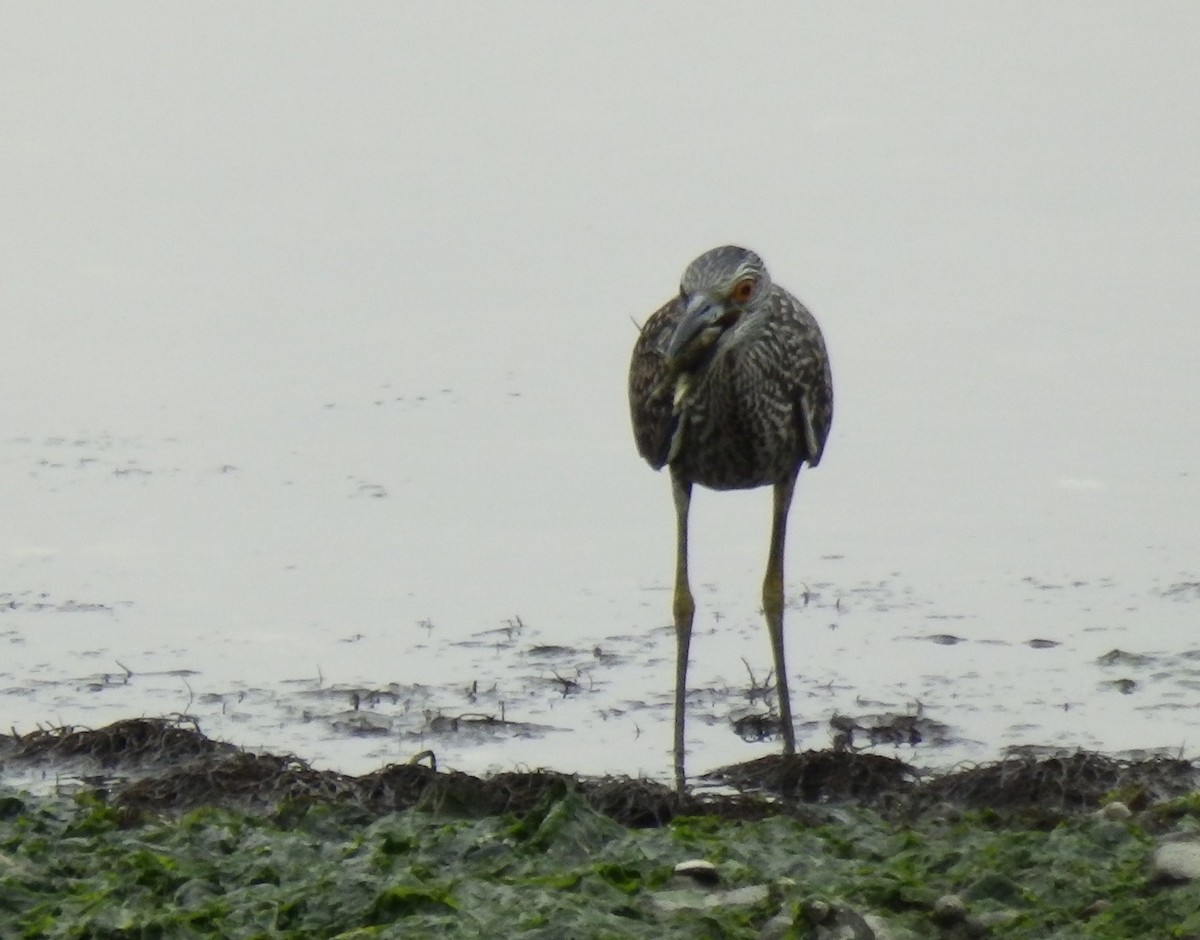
(730, 388)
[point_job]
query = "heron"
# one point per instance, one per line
(730, 388)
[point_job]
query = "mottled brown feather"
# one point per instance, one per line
(743, 421)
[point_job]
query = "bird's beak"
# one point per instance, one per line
(702, 324)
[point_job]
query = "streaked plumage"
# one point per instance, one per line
(730, 387)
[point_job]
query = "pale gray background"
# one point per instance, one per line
(315, 320)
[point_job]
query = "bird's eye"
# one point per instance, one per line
(743, 290)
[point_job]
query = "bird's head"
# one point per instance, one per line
(717, 291)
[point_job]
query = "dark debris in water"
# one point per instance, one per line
(888, 728)
(1118, 657)
(165, 765)
(1183, 590)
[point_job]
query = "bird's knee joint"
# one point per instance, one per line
(772, 599)
(684, 607)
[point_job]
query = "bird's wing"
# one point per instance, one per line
(650, 402)
(813, 442)
(813, 389)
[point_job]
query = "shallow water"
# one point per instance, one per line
(316, 333)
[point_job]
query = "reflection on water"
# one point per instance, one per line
(315, 380)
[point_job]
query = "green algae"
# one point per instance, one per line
(79, 869)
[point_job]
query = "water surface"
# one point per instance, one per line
(316, 328)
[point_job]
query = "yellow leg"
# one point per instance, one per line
(684, 609)
(773, 607)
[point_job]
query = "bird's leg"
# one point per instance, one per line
(684, 608)
(773, 607)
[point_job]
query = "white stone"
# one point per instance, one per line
(699, 871)
(950, 908)
(1177, 861)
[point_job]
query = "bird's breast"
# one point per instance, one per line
(725, 441)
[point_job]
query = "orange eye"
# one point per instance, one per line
(743, 290)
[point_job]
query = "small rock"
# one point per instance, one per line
(1115, 811)
(1176, 861)
(699, 871)
(949, 909)
(1098, 906)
